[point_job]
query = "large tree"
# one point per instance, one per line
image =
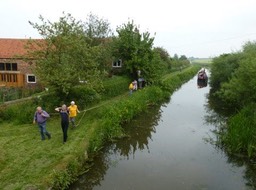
(97, 29)
(134, 48)
(165, 57)
(64, 58)
(100, 34)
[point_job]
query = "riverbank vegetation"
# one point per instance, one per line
(74, 61)
(233, 86)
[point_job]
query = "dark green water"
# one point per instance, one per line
(170, 147)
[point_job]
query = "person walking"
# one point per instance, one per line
(73, 110)
(40, 117)
(64, 114)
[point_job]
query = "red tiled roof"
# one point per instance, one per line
(11, 48)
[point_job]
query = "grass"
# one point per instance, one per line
(26, 162)
(240, 133)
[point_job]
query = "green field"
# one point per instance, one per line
(202, 61)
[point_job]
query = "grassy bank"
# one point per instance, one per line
(26, 162)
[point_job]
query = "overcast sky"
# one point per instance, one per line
(198, 28)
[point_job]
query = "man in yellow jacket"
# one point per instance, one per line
(73, 110)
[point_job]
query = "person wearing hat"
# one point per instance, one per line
(73, 110)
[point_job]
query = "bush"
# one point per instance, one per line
(241, 132)
(222, 69)
(83, 96)
(19, 113)
(115, 86)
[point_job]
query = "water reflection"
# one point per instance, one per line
(139, 132)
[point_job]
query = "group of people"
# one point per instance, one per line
(134, 85)
(67, 114)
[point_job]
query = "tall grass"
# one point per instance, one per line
(240, 136)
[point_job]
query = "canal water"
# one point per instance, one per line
(170, 148)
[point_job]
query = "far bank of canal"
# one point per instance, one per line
(168, 148)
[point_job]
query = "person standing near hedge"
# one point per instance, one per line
(40, 118)
(73, 110)
(64, 114)
(131, 88)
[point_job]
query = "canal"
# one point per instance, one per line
(169, 147)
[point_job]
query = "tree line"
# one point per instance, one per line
(73, 52)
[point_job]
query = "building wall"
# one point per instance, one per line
(16, 78)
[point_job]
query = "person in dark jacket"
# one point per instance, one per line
(40, 118)
(64, 114)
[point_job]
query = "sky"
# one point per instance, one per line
(194, 28)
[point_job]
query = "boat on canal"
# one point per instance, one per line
(202, 78)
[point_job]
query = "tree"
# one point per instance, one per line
(164, 55)
(176, 57)
(134, 48)
(179, 62)
(100, 34)
(64, 57)
(239, 90)
(223, 68)
(183, 58)
(97, 29)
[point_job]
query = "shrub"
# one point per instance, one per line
(115, 86)
(241, 132)
(19, 113)
(84, 96)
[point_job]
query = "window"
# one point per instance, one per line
(2, 67)
(117, 63)
(14, 67)
(8, 67)
(31, 78)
